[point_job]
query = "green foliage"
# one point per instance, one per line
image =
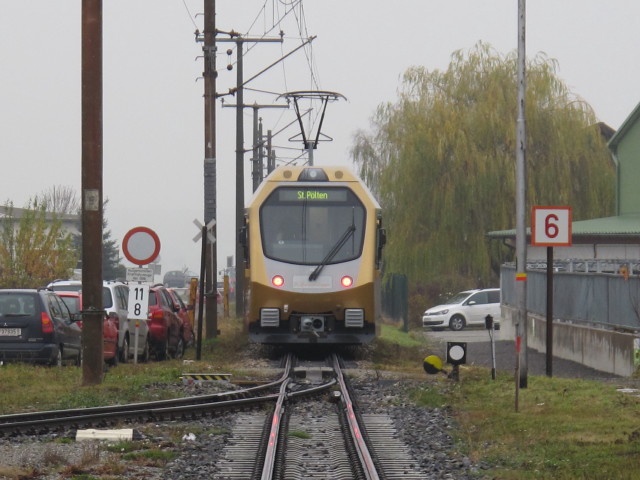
(446, 149)
(34, 249)
(564, 428)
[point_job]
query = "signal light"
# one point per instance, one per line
(277, 281)
(47, 324)
(346, 281)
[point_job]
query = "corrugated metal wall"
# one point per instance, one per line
(589, 298)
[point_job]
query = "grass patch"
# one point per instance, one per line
(396, 349)
(151, 458)
(37, 388)
(564, 428)
(123, 447)
(299, 434)
(429, 396)
(394, 334)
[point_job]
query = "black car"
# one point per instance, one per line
(36, 326)
(175, 279)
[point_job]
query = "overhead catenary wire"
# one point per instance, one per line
(190, 15)
(276, 17)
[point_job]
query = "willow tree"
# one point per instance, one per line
(441, 160)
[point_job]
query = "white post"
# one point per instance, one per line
(135, 342)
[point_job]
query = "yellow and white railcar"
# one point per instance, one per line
(313, 239)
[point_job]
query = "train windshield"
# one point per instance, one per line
(307, 225)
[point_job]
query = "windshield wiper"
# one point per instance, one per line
(334, 251)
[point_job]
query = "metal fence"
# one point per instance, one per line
(395, 294)
(600, 299)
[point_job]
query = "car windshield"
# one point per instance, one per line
(457, 298)
(303, 225)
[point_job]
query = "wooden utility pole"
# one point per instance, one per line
(92, 308)
(211, 255)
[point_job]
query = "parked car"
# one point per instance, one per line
(115, 299)
(465, 309)
(110, 323)
(183, 312)
(165, 326)
(36, 326)
(175, 279)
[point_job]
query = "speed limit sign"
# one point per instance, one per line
(551, 226)
(138, 301)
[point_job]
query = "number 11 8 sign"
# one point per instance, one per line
(551, 226)
(138, 301)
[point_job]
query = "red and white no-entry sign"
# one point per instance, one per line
(141, 245)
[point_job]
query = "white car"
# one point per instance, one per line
(464, 309)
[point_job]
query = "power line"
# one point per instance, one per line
(190, 16)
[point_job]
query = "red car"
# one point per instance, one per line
(110, 325)
(183, 312)
(166, 328)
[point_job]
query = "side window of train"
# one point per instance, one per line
(243, 239)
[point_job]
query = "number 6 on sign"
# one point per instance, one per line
(551, 226)
(138, 301)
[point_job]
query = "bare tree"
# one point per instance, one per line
(61, 199)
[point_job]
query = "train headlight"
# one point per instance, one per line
(277, 281)
(346, 281)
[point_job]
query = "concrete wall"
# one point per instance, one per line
(604, 350)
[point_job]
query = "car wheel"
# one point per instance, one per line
(162, 352)
(113, 361)
(57, 360)
(124, 353)
(179, 353)
(146, 353)
(457, 323)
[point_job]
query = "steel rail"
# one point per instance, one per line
(178, 406)
(278, 412)
(151, 414)
(364, 455)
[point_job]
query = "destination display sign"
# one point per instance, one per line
(312, 194)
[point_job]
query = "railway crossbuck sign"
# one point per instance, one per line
(210, 226)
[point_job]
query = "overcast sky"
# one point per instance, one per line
(153, 106)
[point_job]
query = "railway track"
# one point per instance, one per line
(311, 427)
(33, 423)
(327, 438)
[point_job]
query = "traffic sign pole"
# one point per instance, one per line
(550, 226)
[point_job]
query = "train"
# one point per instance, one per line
(313, 241)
